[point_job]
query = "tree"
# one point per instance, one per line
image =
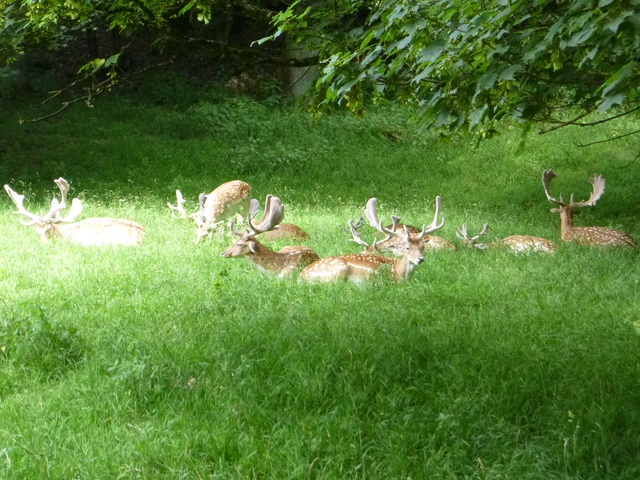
(469, 63)
(225, 27)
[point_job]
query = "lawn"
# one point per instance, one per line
(168, 361)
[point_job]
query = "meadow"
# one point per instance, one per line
(168, 361)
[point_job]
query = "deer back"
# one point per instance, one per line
(226, 200)
(99, 232)
(355, 267)
(285, 230)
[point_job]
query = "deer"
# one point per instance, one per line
(283, 262)
(358, 267)
(602, 236)
(224, 202)
(516, 243)
(87, 232)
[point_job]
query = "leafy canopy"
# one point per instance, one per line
(468, 63)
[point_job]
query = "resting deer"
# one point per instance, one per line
(584, 235)
(517, 243)
(221, 204)
(362, 266)
(88, 232)
(283, 262)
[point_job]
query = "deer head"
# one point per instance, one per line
(247, 244)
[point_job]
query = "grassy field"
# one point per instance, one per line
(169, 361)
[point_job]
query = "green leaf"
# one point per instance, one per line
(485, 83)
(615, 99)
(112, 60)
(433, 51)
(509, 72)
(614, 80)
(477, 115)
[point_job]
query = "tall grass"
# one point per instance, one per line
(169, 361)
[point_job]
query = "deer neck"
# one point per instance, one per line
(402, 268)
(266, 258)
(566, 221)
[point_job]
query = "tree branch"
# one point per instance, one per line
(608, 139)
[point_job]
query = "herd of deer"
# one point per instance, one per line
(231, 199)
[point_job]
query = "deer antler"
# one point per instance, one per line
(372, 216)
(434, 225)
(56, 207)
(18, 200)
(179, 207)
(463, 235)
(597, 182)
(273, 216)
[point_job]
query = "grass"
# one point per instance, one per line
(168, 361)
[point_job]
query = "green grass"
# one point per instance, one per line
(169, 361)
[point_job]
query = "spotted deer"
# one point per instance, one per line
(87, 232)
(362, 266)
(584, 235)
(516, 243)
(220, 205)
(283, 262)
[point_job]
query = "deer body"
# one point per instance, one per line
(88, 232)
(283, 262)
(362, 266)
(96, 232)
(356, 267)
(224, 202)
(602, 236)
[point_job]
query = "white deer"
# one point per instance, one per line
(88, 232)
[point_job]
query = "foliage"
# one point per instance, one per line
(106, 43)
(470, 63)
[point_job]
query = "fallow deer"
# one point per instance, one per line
(516, 243)
(584, 235)
(223, 203)
(362, 266)
(88, 232)
(283, 262)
